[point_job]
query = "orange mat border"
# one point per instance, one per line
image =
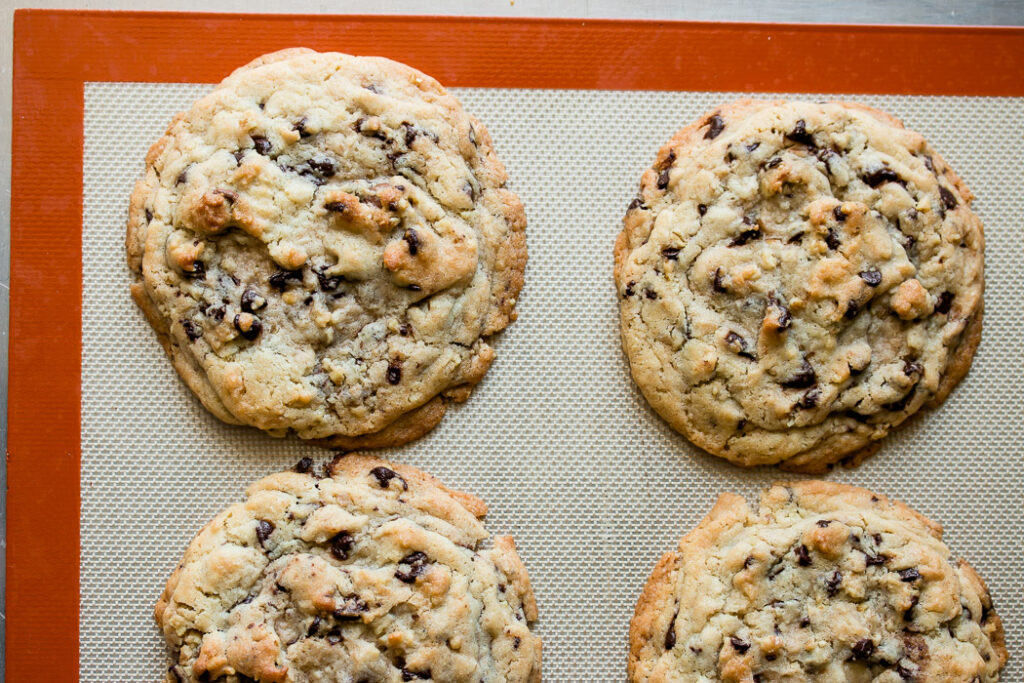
(56, 52)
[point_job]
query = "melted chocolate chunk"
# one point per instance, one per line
(773, 162)
(216, 312)
(875, 560)
(944, 302)
(300, 127)
(327, 284)
(261, 144)
(192, 330)
(905, 673)
(384, 475)
(948, 199)
(629, 289)
(753, 145)
(413, 240)
(862, 649)
(341, 545)
(912, 367)
(784, 317)
(800, 135)
(671, 253)
(716, 124)
(351, 607)
(303, 466)
(408, 674)
(516, 642)
(899, 404)
(417, 563)
(649, 293)
(149, 215)
(739, 644)
(882, 175)
(360, 122)
(702, 209)
(410, 133)
(839, 214)
(928, 163)
(803, 558)
(394, 374)
(852, 309)
(637, 203)
(663, 170)
(833, 582)
(872, 277)
(281, 278)
(804, 377)
(314, 628)
(824, 523)
(832, 239)
(322, 166)
(263, 531)
(251, 301)
(909, 575)
(255, 327)
(182, 177)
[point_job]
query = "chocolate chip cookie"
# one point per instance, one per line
(324, 245)
(825, 582)
(370, 572)
(797, 279)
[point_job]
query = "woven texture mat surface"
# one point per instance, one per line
(557, 439)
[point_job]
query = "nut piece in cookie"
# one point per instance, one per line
(796, 280)
(325, 246)
(364, 571)
(823, 582)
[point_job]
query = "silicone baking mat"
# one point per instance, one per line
(558, 441)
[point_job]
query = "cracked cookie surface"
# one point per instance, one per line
(324, 245)
(797, 279)
(825, 582)
(372, 572)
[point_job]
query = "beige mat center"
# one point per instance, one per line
(558, 441)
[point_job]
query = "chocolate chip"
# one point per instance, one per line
(415, 288)
(852, 309)
(408, 674)
(928, 163)
(322, 166)
(261, 144)
(300, 127)
(663, 170)
(182, 177)
(872, 277)
(911, 368)
(832, 582)
(800, 135)
(862, 649)
(394, 374)
(826, 156)
(715, 126)
(351, 607)
(739, 644)
(804, 377)
(905, 673)
(839, 214)
(944, 302)
(882, 175)
(671, 253)
(948, 199)
(670, 635)
(832, 239)
(216, 312)
(341, 545)
(405, 329)
(875, 560)
(749, 562)
(360, 122)
(314, 628)
(417, 563)
(149, 215)
(252, 331)
(744, 237)
(773, 162)
(384, 475)
(410, 133)
(810, 398)
(898, 405)
(702, 209)
(823, 522)
(303, 466)
(649, 293)
(336, 207)
(909, 575)
(738, 344)
(280, 279)
(327, 284)
(413, 240)
(805, 622)
(629, 289)
(753, 145)
(251, 301)
(784, 319)
(263, 530)
(637, 203)
(796, 239)
(716, 281)
(803, 558)
(192, 330)
(516, 642)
